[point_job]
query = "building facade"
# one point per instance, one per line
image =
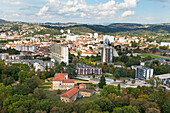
(83, 69)
(60, 53)
(70, 96)
(108, 52)
(62, 82)
(143, 73)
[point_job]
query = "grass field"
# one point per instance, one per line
(87, 99)
(47, 83)
(152, 56)
(121, 78)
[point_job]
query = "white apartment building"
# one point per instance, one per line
(143, 73)
(60, 53)
(108, 39)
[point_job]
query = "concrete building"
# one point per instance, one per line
(4, 56)
(62, 82)
(143, 73)
(70, 96)
(165, 78)
(31, 48)
(71, 37)
(96, 35)
(86, 92)
(83, 69)
(165, 44)
(108, 52)
(108, 39)
(60, 53)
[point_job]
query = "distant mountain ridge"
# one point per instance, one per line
(3, 21)
(111, 28)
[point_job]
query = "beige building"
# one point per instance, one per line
(70, 96)
(62, 82)
(82, 86)
(86, 92)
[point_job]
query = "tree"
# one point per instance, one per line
(110, 89)
(22, 76)
(153, 110)
(125, 109)
(87, 106)
(39, 94)
(5, 92)
(124, 58)
(71, 70)
(155, 81)
(105, 104)
(32, 83)
(102, 82)
(133, 81)
(119, 86)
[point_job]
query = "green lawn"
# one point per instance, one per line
(47, 83)
(152, 56)
(46, 87)
(121, 78)
(86, 99)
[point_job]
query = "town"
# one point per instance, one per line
(104, 71)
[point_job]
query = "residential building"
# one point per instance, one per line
(60, 53)
(31, 48)
(108, 39)
(143, 72)
(61, 81)
(83, 69)
(81, 86)
(108, 52)
(70, 96)
(4, 56)
(86, 92)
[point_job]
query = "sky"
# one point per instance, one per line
(86, 11)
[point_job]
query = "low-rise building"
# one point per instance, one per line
(165, 78)
(70, 95)
(62, 82)
(86, 92)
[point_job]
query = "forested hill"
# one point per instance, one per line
(113, 28)
(3, 21)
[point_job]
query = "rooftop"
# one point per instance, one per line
(70, 93)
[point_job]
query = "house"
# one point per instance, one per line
(81, 86)
(70, 95)
(62, 82)
(86, 92)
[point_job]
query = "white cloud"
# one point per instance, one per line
(79, 8)
(42, 11)
(128, 13)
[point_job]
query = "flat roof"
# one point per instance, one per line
(164, 76)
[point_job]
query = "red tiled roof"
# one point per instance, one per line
(70, 93)
(57, 79)
(82, 84)
(60, 74)
(68, 81)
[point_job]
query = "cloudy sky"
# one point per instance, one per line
(86, 11)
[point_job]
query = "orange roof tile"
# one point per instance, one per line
(57, 79)
(82, 84)
(70, 93)
(68, 81)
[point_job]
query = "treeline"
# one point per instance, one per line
(10, 51)
(29, 98)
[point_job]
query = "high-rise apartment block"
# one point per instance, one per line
(60, 53)
(108, 52)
